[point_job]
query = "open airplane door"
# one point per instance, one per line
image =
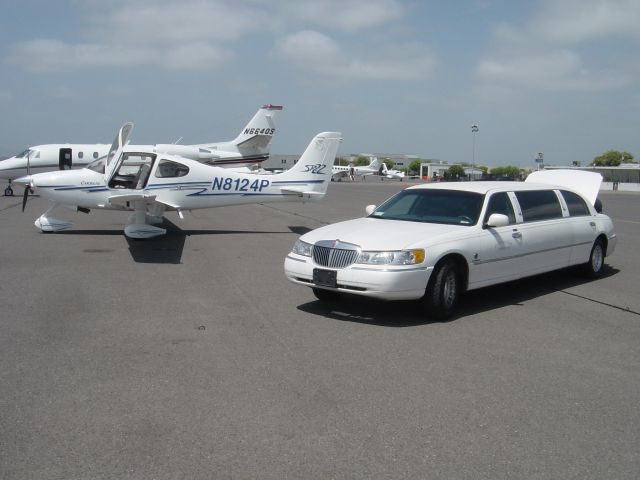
(121, 140)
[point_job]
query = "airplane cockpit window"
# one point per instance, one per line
(22, 154)
(169, 169)
(133, 171)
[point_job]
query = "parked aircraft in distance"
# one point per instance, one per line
(149, 183)
(338, 172)
(391, 174)
(250, 147)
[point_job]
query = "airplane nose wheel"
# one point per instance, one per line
(8, 192)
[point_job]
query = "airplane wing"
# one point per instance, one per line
(124, 200)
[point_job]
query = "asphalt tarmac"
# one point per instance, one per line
(191, 356)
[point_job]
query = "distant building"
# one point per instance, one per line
(625, 173)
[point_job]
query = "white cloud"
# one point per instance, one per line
(561, 69)
(574, 21)
(179, 22)
(42, 55)
(347, 15)
(550, 51)
(319, 53)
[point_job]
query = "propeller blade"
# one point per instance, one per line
(24, 196)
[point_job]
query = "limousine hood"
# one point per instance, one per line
(378, 234)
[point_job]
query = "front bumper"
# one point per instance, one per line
(384, 282)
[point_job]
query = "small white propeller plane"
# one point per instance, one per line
(149, 183)
(250, 147)
(338, 172)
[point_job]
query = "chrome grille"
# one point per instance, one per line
(338, 255)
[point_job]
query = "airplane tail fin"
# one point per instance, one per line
(311, 175)
(256, 136)
(375, 162)
(385, 169)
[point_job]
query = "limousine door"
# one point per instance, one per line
(497, 256)
(546, 235)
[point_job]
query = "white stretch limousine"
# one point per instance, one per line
(434, 241)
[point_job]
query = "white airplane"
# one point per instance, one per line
(148, 184)
(250, 147)
(391, 174)
(338, 172)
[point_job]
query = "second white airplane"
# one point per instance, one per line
(338, 172)
(250, 147)
(148, 184)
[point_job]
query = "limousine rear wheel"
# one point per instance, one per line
(443, 291)
(595, 266)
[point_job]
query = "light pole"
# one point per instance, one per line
(474, 130)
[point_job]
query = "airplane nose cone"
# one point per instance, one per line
(26, 181)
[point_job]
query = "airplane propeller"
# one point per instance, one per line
(29, 185)
(27, 188)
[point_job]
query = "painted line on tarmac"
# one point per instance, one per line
(618, 307)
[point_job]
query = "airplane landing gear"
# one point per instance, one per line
(8, 192)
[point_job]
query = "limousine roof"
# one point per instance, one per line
(587, 185)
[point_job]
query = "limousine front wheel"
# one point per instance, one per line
(443, 291)
(595, 266)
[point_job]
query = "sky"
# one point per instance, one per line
(559, 77)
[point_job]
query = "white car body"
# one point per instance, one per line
(516, 245)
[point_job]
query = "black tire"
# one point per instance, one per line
(8, 192)
(443, 291)
(326, 296)
(595, 266)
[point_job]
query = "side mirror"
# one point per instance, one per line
(369, 209)
(497, 220)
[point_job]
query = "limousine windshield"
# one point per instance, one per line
(432, 206)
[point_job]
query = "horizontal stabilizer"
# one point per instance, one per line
(301, 192)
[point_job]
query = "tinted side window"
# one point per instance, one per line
(169, 169)
(500, 203)
(539, 205)
(576, 204)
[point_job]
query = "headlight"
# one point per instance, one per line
(397, 257)
(302, 248)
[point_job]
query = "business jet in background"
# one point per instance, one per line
(250, 148)
(147, 184)
(391, 174)
(338, 172)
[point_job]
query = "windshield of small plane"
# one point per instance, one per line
(450, 207)
(23, 154)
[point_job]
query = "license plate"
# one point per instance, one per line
(325, 278)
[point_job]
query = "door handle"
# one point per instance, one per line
(516, 234)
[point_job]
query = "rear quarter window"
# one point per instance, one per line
(577, 206)
(539, 205)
